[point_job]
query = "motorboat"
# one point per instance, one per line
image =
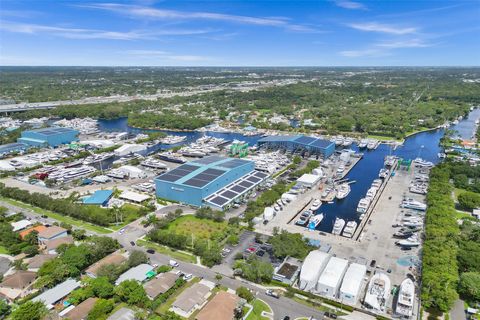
(361, 216)
(372, 144)
(413, 204)
(363, 205)
(377, 183)
(277, 207)
(96, 158)
(413, 224)
(350, 228)
(338, 226)
(442, 155)
(371, 193)
(418, 189)
(403, 235)
(423, 163)
(343, 190)
(170, 139)
(406, 298)
(378, 292)
(389, 161)
(339, 141)
(194, 153)
(362, 144)
(153, 163)
(316, 204)
(412, 241)
(315, 221)
(383, 173)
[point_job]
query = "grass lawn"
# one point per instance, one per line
(383, 138)
(200, 228)
(58, 217)
(456, 193)
(163, 308)
(318, 307)
(258, 307)
(182, 256)
(3, 250)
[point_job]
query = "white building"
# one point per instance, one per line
(129, 148)
(20, 225)
(352, 283)
(312, 266)
(132, 172)
(331, 277)
(308, 180)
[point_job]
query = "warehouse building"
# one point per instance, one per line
(299, 143)
(312, 267)
(352, 283)
(214, 181)
(48, 137)
(331, 277)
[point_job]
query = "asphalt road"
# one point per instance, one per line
(281, 307)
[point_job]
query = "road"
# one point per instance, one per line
(281, 307)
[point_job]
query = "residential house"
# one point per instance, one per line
(52, 245)
(81, 311)
(221, 307)
(51, 233)
(123, 314)
(192, 299)
(161, 284)
(18, 284)
(114, 258)
(140, 273)
(26, 232)
(34, 263)
(56, 294)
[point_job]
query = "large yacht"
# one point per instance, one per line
(389, 161)
(171, 157)
(173, 139)
(378, 292)
(413, 204)
(349, 229)
(363, 143)
(339, 141)
(372, 144)
(406, 297)
(347, 142)
(338, 226)
(343, 190)
(423, 163)
(363, 205)
(371, 193)
(412, 241)
(316, 204)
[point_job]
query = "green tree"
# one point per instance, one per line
(131, 292)
(101, 309)
(4, 308)
(289, 244)
(469, 286)
(101, 287)
(469, 200)
(137, 257)
(244, 293)
(29, 310)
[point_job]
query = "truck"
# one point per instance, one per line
(173, 263)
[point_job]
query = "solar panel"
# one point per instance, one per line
(233, 163)
(305, 140)
(320, 143)
(229, 194)
(260, 175)
(253, 179)
(205, 177)
(196, 182)
(246, 184)
(238, 188)
(208, 160)
(219, 201)
(214, 172)
(168, 177)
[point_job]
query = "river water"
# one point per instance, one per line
(424, 145)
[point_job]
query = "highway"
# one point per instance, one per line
(281, 307)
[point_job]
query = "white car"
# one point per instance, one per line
(187, 276)
(122, 230)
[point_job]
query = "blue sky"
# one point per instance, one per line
(240, 33)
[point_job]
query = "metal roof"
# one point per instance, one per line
(352, 281)
(333, 272)
(51, 131)
(50, 297)
(138, 273)
(299, 139)
(98, 197)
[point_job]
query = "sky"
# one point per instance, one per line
(240, 33)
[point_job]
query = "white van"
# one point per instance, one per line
(173, 263)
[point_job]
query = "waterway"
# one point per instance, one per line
(424, 145)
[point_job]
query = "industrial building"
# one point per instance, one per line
(312, 267)
(12, 147)
(331, 277)
(48, 137)
(299, 143)
(214, 181)
(352, 283)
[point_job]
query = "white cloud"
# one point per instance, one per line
(412, 43)
(352, 5)
(385, 48)
(164, 55)
(382, 28)
(77, 33)
(164, 14)
(363, 53)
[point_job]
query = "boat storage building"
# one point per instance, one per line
(299, 143)
(331, 277)
(214, 181)
(352, 283)
(312, 267)
(48, 137)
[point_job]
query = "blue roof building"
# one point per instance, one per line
(48, 137)
(99, 197)
(301, 143)
(12, 147)
(193, 182)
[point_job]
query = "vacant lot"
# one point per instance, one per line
(199, 228)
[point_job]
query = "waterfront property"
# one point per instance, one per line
(48, 137)
(195, 181)
(299, 143)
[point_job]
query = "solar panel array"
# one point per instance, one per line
(204, 178)
(237, 188)
(177, 173)
(209, 160)
(321, 143)
(305, 140)
(233, 163)
(52, 130)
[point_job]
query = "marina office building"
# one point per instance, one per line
(299, 143)
(214, 181)
(48, 137)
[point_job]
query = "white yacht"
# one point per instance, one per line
(383, 173)
(343, 190)
(442, 155)
(316, 204)
(96, 158)
(413, 204)
(377, 183)
(173, 139)
(74, 173)
(371, 193)
(423, 163)
(191, 152)
(171, 157)
(338, 226)
(389, 161)
(347, 142)
(349, 229)
(363, 205)
(339, 141)
(372, 144)
(315, 221)
(153, 163)
(363, 143)
(378, 292)
(406, 297)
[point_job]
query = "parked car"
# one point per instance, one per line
(151, 251)
(132, 243)
(272, 293)
(330, 315)
(187, 276)
(173, 263)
